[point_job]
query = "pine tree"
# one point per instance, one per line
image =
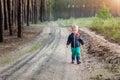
(19, 19)
(9, 5)
(1, 20)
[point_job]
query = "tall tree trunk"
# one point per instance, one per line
(14, 13)
(9, 3)
(12, 5)
(28, 12)
(43, 10)
(41, 19)
(32, 11)
(35, 11)
(20, 24)
(1, 20)
(23, 11)
(5, 15)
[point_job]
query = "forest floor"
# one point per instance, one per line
(11, 47)
(49, 58)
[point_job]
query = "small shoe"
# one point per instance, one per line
(78, 62)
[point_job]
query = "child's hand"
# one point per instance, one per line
(67, 46)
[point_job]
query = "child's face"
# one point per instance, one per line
(75, 30)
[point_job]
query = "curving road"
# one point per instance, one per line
(52, 60)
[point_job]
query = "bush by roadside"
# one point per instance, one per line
(110, 28)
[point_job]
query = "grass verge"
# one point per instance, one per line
(110, 28)
(31, 50)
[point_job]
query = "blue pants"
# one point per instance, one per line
(76, 53)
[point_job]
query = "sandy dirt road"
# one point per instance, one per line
(53, 60)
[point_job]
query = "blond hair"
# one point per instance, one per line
(74, 26)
